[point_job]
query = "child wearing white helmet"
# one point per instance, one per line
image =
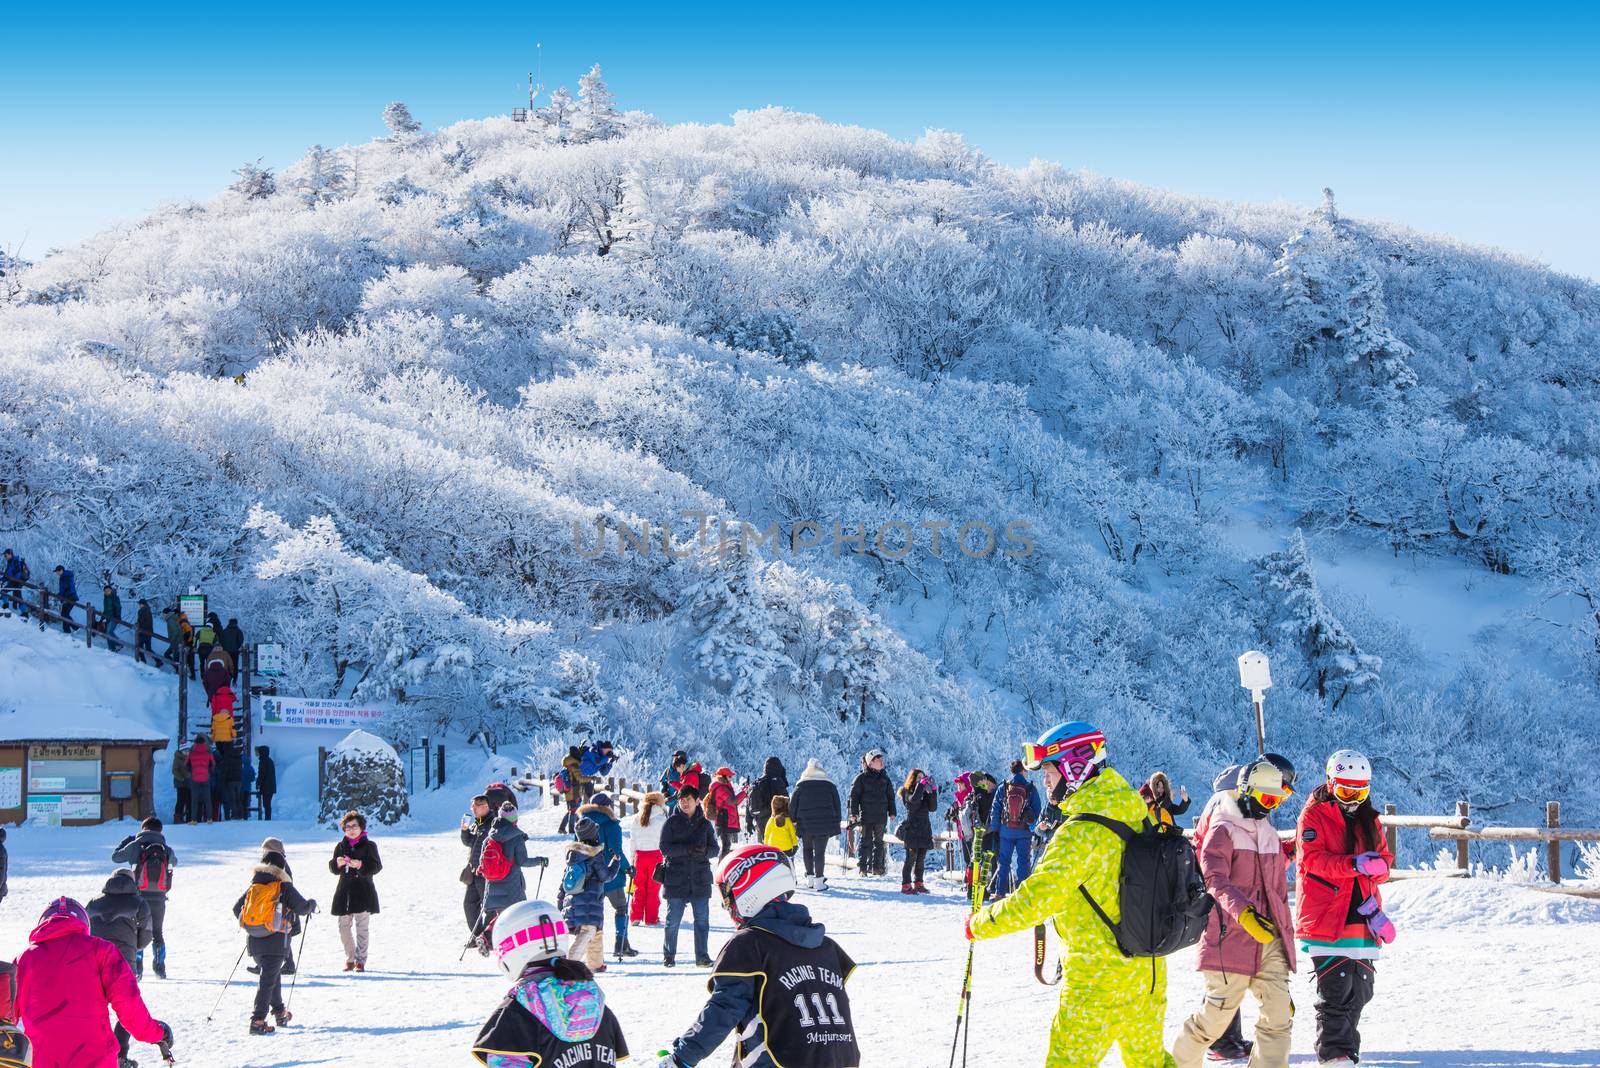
(778, 983)
(554, 1013)
(1344, 857)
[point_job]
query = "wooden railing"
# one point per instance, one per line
(41, 603)
(1552, 834)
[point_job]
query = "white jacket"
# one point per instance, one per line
(645, 838)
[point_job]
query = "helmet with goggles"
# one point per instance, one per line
(1349, 777)
(1261, 788)
(1077, 749)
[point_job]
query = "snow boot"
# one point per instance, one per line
(1230, 1054)
(667, 961)
(625, 949)
(282, 1016)
(906, 888)
(125, 1061)
(138, 964)
(160, 963)
(822, 882)
(917, 887)
(261, 1027)
(349, 965)
(704, 962)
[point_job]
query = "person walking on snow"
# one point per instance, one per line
(201, 764)
(778, 832)
(144, 627)
(65, 980)
(152, 861)
(779, 983)
(915, 832)
(1106, 998)
(600, 810)
(871, 808)
(355, 900)
(582, 898)
(1015, 810)
(1344, 857)
(774, 781)
(110, 615)
(1157, 794)
(120, 916)
(1245, 948)
(267, 912)
(474, 832)
(687, 842)
(504, 855)
(644, 854)
(673, 776)
(722, 808)
(554, 1013)
(814, 804)
(67, 592)
(266, 780)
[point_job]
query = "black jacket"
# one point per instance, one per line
(266, 774)
(872, 797)
(688, 847)
(814, 805)
(473, 836)
(774, 782)
(355, 892)
(232, 639)
(121, 916)
(145, 622)
(916, 830)
(128, 850)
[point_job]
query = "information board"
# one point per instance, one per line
(63, 769)
(324, 712)
(10, 787)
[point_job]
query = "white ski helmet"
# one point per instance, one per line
(751, 876)
(526, 932)
(1349, 768)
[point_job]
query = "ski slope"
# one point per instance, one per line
(1483, 974)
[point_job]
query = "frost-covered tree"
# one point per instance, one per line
(556, 118)
(1308, 288)
(1369, 344)
(597, 118)
(1335, 665)
(324, 177)
(737, 644)
(397, 117)
(255, 182)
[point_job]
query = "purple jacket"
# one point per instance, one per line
(1244, 867)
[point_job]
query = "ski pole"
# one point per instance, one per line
(299, 961)
(225, 983)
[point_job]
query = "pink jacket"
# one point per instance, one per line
(65, 979)
(1244, 867)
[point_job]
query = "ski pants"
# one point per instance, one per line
(911, 870)
(1225, 992)
(1344, 987)
(270, 954)
(1018, 844)
(815, 847)
(1086, 1025)
(870, 850)
(200, 802)
(158, 918)
(619, 911)
(646, 891)
(588, 946)
(472, 902)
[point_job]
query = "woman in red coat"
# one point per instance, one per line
(722, 808)
(1343, 857)
(65, 979)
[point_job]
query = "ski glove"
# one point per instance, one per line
(1258, 926)
(538, 862)
(1373, 864)
(166, 1033)
(1378, 921)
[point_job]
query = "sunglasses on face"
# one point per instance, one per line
(1351, 795)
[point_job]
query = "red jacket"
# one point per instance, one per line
(1328, 869)
(222, 700)
(65, 979)
(200, 762)
(722, 804)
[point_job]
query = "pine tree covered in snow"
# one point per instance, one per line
(255, 181)
(1334, 663)
(324, 177)
(738, 646)
(397, 117)
(597, 118)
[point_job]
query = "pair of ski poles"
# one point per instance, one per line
(299, 958)
(979, 883)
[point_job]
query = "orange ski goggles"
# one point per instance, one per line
(1350, 795)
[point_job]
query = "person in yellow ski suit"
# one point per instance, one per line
(1105, 997)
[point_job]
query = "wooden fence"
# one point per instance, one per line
(40, 603)
(1552, 834)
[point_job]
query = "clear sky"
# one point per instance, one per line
(1481, 123)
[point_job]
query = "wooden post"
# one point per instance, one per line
(1552, 819)
(322, 777)
(1393, 835)
(183, 695)
(1462, 863)
(439, 771)
(245, 656)
(88, 624)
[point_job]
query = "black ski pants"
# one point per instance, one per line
(911, 870)
(1344, 987)
(870, 851)
(816, 853)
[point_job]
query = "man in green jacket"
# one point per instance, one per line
(1105, 997)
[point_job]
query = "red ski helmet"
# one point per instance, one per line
(751, 876)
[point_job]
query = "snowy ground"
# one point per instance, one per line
(1483, 974)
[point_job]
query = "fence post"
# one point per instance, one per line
(1393, 835)
(1462, 862)
(244, 666)
(88, 624)
(1552, 819)
(322, 777)
(183, 696)
(439, 770)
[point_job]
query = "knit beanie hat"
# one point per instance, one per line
(272, 845)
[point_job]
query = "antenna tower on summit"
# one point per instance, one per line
(534, 88)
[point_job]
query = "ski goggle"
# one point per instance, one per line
(1269, 801)
(1072, 751)
(1350, 795)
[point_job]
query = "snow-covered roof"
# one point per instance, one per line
(44, 722)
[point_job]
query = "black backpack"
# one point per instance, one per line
(153, 871)
(1163, 896)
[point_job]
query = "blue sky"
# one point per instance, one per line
(1479, 123)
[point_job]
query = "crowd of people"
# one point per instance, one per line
(683, 845)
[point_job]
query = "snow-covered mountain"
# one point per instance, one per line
(380, 404)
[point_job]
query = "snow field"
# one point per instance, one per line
(1482, 974)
